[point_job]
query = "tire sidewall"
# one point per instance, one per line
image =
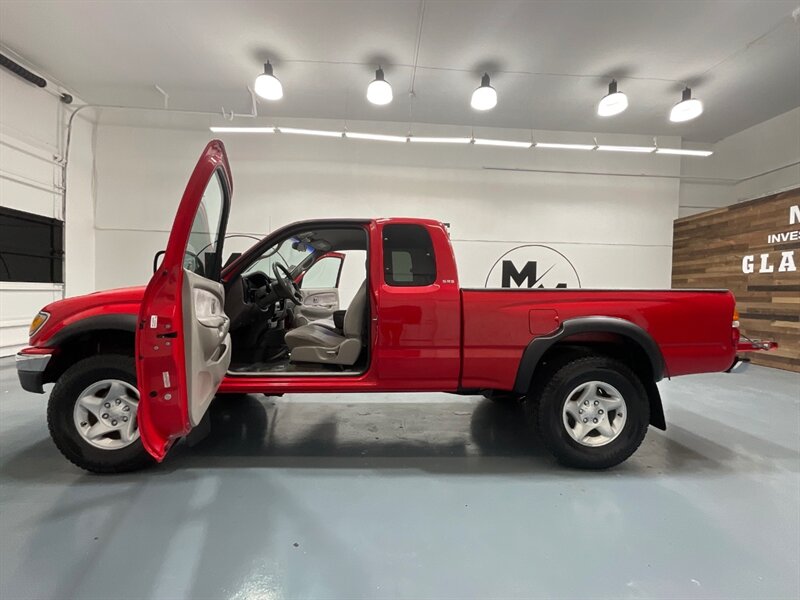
(560, 441)
(62, 423)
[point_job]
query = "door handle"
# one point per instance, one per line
(318, 305)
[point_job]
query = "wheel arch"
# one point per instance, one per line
(102, 334)
(621, 339)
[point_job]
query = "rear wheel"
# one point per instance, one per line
(92, 412)
(593, 413)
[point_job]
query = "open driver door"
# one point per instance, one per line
(183, 347)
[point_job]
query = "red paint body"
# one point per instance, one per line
(430, 338)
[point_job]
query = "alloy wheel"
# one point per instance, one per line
(594, 413)
(105, 414)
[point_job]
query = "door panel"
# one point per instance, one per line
(207, 341)
(319, 286)
(182, 343)
(317, 304)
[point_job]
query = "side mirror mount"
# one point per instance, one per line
(231, 258)
(159, 256)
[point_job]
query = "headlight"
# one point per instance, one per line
(37, 323)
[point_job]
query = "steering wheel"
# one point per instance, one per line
(286, 287)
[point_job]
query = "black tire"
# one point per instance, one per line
(61, 423)
(548, 415)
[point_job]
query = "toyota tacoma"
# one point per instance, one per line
(135, 369)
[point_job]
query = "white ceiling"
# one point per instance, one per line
(742, 58)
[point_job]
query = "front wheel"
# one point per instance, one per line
(92, 412)
(593, 413)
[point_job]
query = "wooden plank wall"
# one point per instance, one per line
(708, 250)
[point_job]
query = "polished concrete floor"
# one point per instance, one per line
(416, 496)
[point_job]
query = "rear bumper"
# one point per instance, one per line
(749, 345)
(30, 370)
(755, 345)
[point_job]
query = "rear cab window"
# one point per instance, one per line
(408, 259)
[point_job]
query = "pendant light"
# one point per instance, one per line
(379, 91)
(267, 85)
(687, 109)
(484, 97)
(613, 103)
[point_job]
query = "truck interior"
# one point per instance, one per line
(301, 308)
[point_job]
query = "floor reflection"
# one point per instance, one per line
(249, 425)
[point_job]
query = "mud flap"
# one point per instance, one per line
(657, 418)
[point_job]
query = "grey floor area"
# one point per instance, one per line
(414, 496)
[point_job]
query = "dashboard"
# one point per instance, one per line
(251, 299)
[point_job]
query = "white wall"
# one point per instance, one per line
(31, 148)
(79, 269)
(755, 162)
(617, 230)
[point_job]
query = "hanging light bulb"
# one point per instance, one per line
(379, 91)
(687, 109)
(267, 85)
(614, 103)
(484, 97)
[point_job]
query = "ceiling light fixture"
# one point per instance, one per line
(440, 140)
(558, 146)
(267, 85)
(378, 137)
(460, 140)
(503, 143)
(684, 152)
(242, 129)
(379, 91)
(687, 109)
(613, 103)
(642, 149)
(485, 96)
(317, 132)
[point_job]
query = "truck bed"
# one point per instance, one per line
(691, 327)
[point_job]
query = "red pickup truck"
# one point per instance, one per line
(135, 369)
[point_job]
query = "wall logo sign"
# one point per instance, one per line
(533, 266)
(780, 264)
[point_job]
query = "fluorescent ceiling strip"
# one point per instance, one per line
(641, 149)
(462, 140)
(376, 136)
(317, 132)
(682, 152)
(564, 146)
(242, 129)
(440, 140)
(503, 143)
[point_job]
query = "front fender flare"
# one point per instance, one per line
(115, 322)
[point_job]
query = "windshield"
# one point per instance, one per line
(289, 252)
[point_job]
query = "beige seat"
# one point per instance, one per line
(321, 342)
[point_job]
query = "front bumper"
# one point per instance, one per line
(30, 370)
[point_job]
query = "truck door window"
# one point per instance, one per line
(408, 258)
(323, 274)
(201, 255)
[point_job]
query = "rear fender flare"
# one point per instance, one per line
(538, 346)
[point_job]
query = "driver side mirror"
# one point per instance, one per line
(157, 259)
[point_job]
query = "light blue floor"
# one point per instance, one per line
(422, 496)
